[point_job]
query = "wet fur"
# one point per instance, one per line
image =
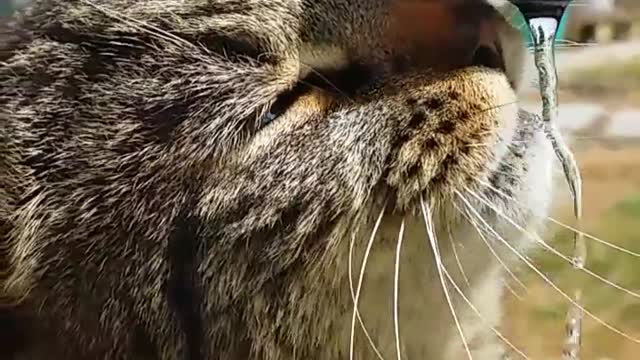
(146, 212)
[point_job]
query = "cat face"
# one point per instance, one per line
(187, 177)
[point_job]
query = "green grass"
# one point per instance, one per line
(630, 206)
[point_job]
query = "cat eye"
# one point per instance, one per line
(343, 82)
(282, 103)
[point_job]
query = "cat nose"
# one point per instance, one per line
(488, 51)
(443, 34)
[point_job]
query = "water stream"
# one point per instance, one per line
(544, 35)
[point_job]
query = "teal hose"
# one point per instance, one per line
(519, 21)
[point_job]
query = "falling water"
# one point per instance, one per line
(544, 34)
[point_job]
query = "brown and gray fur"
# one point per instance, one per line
(148, 212)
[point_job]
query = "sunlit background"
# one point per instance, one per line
(599, 66)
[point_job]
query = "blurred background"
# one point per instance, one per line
(598, 59)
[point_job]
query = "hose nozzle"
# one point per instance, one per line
(535, 9)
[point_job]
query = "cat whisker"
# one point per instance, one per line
(479, 314)
(465, 214)
(396, 291)
(496, 107)
(478, 145)
(566, 226)
(561, 46)
(140, 25)
(319, 74)
(591, 237)
(356, 298)
(327, 81)
(457, 258)
(511, 142)
(431, 235)
(572, 42)
(353, 298)
(512, 290)
(542, 275)
(548, 247)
